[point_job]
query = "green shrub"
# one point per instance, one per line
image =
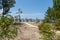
(44, 27)
(57, 24)
(7, 30)
(58, 37)
(46, 31)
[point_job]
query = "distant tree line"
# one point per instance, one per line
(16, 19)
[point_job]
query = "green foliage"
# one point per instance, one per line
(47, 20)
(57, 24)
(58, 37)
(53, 13)
(7, 30)
(44, 27)
(56, 4)
(6, 5)
(46, 31)
(52, 16)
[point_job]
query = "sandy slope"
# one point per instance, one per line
(28, 32)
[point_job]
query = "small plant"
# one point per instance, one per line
(46, 31)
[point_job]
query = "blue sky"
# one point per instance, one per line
(32, 8)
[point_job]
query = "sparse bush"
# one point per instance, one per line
(57, 24)
(46, 31)
(58, 37)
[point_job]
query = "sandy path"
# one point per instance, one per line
(30, 25)
(28, 32)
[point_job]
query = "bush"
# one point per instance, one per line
(7, 30)
(46, 31)
(58, 37)
(44, 27)
(57, 24)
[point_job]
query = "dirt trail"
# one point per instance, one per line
(28, 32)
